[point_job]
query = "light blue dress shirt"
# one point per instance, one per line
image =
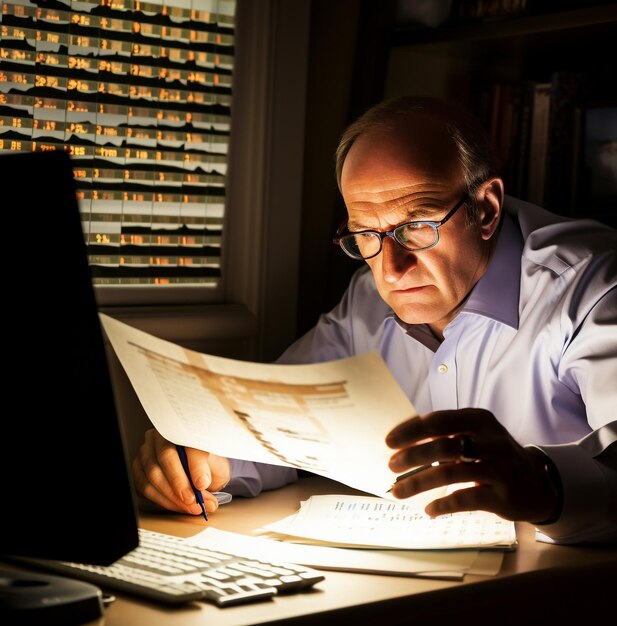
(535, 344)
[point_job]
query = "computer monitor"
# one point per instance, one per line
(66, 487)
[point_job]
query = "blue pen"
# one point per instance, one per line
(185, 465)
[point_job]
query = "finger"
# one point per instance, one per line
(199, 467)
(165, 489)
(441, 424)
(220, 469)
(438, 476)
(221, 473)
(152, 472)
(201, 476)
(438, 450)
(210, 501)
(399, 435)
(152, 482)
(166, 472)
(476, 498)
(147, 490)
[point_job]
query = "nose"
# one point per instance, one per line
(396, 261)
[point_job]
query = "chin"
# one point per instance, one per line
(416, 315)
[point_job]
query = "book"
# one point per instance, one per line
(538, 142)
(522, 140)
(511, 137)
(498, 105)
(568, 90)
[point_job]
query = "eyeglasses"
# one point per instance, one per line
(413, 236)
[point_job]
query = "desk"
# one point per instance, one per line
(538, 583)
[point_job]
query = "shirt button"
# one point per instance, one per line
(443, 368)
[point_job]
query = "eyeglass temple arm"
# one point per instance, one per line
(339, 231)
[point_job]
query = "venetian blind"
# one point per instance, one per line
(139, 93)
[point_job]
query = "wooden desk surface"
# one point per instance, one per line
(538, 580)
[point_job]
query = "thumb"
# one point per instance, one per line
(199, 466)
(220, 472)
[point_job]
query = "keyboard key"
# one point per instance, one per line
(166, 569)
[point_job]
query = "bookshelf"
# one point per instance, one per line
(544, 82)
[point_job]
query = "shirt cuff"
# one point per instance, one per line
(588, 489)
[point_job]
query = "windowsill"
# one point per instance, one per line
(189, 324)
(149, 295)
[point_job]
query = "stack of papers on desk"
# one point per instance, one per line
(437, 564)
(372, 535)
(371, 522)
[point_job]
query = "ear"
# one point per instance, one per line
(490, 201)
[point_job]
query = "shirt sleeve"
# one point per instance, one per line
(355, 325)
(249, 479)
(588, 467)
(588, 472)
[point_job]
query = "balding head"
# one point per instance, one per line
(442, 130)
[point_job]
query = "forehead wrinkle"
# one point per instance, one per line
(425, 204)
(398, 189)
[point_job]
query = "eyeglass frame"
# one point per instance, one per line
(337, 239)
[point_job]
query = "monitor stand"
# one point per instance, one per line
(28, 599)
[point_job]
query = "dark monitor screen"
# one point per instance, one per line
(66, 488)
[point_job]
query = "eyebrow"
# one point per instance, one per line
(418, 215)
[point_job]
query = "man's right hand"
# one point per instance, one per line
(160, 477)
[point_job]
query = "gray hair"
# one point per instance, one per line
(474, 148)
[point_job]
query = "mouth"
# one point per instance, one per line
(409, 290)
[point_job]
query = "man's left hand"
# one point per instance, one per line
(471, 446)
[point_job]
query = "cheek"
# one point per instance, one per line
(445, 274)
(377, 271)
(459, 270)
(449, 270)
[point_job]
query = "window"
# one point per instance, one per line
(139, 93)
(248, 310)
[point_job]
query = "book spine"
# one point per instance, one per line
(538, 143)
(523, 140)
(567, 91)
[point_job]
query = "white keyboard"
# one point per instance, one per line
(166, 569)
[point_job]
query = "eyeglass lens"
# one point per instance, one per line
(414, 236)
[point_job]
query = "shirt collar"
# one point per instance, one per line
(496, 294)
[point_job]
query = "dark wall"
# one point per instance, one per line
(346, 75)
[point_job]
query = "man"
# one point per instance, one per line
(497, 318)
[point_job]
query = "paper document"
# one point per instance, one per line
(369, 522)
(447, 564)
(330, 419)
